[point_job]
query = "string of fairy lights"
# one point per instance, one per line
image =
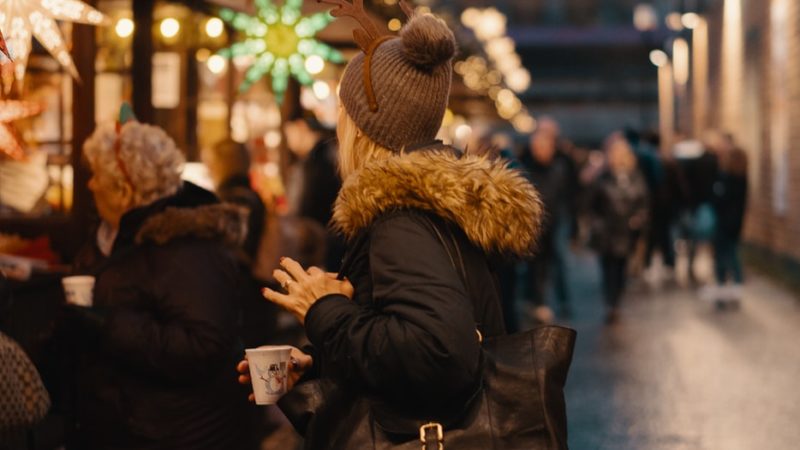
(500, 75)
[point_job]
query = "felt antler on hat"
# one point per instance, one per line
(368, 33)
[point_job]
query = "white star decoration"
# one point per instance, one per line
(20, 20)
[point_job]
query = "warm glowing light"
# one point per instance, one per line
(658, 58)
(314, 64)
(645, 17)
(674, 21)
(395, 25)
(124, 27)
(500, 47)
(470, 17)
(492, 24)
(217, 64)
(680, 57)
(690, 20)
(390, 2)
(524, 123)
(463, 131)
(321, 90)
(170, 27)
(21, 20)
(273, 139)
(505, 97)
(215, 27)
(519, 80)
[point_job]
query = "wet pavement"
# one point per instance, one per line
(676, 374)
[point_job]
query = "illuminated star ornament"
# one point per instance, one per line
(22, 19)
(10, 111)
(3, 46)
(281, 41)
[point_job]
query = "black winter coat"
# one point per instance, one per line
(237, 190)
(159, 373)
(556, 183)
(408, 338)
(730, 202)
(615, 202)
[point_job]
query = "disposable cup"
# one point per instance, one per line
(269, 370)
(78, 289)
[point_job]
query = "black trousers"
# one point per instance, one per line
(615, 278)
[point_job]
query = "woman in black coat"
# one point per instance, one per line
(156, 347)
(401, 324)
(619, 216)
(730, 202)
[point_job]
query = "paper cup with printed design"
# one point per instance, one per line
(269, 371)
(78, 289)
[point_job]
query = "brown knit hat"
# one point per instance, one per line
(409, 79)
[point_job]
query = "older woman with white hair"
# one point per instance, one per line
(162, 333)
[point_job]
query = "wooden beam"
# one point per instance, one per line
(142, 68)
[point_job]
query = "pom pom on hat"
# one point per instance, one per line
(427, 41)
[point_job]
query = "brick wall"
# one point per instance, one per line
(747, 92)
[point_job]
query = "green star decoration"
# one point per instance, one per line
(280, 39)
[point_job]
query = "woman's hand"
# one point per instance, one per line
(299, 362)
(304, 287)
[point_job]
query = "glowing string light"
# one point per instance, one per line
(280, 40)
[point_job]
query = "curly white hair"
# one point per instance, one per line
(151, 159)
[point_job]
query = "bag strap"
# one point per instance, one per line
(431, 435)
(457, 261)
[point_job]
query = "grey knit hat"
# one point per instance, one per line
(398, 100)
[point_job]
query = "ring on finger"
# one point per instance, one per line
(285, 284)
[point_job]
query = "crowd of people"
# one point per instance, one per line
(397, 319)
(627, 202)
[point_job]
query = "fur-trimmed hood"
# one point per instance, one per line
(221, 221)
(497, 207)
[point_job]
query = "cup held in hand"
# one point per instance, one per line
(269, 372)
(78, 289)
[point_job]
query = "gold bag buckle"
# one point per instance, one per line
(423, 432)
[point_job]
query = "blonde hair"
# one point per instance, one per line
(150, 158)
(355, 147)
(619, 151)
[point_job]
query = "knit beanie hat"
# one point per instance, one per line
(397, 91)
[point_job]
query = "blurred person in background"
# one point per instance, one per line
(228, 164)
(506, 267)
(155, 349)
(698, 169)
(313, 181)
(730, 202)
(553, 178)
(619, 217)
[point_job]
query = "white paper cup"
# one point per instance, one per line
(269, 371)
(78, 290)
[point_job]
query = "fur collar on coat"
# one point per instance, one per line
(221, 221)
(498, 209)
